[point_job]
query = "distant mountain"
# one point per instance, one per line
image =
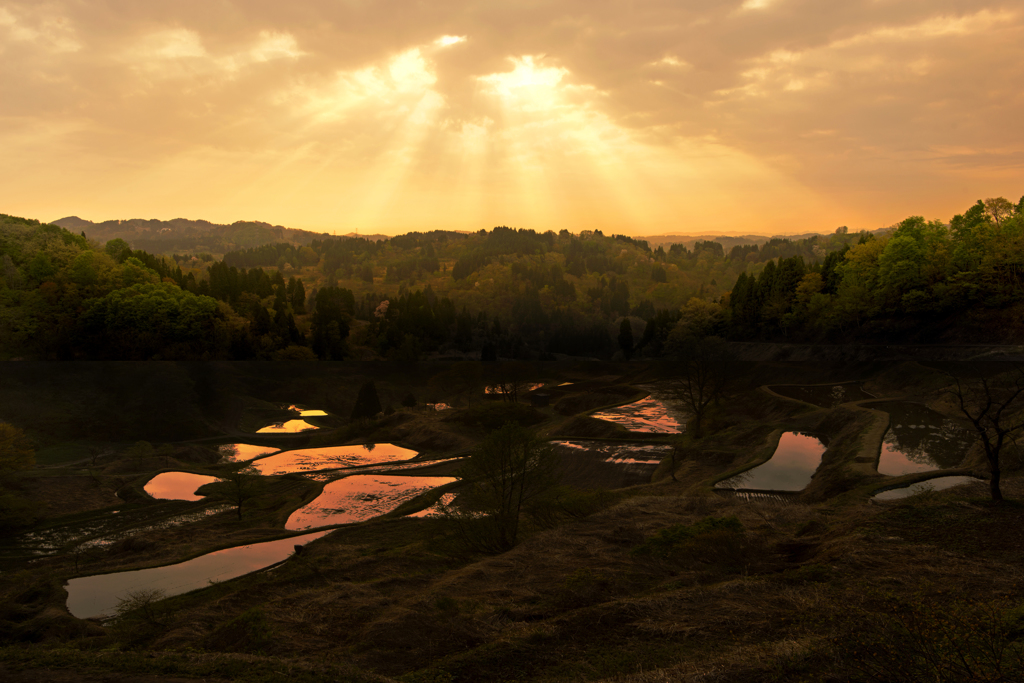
(182, 235)
(730, 241)
(373, 238)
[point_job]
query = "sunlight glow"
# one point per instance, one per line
(445, 41)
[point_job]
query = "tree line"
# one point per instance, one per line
(507, 293)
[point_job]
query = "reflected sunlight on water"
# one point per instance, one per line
(656, 414)
(361, 497)
(93, 596)
(920, 439)
(289, 427)
(177, 485)
(789, 469)
(331, 457)
(240, 452)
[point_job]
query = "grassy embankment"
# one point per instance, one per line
(634, 585)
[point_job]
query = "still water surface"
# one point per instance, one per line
(920, 439)
(240, 452)
(790, 468)
(656, 414)
(94, 596)
(936, 484)
(361, 497)
(289, 427)
(332, 457)
(177, 485)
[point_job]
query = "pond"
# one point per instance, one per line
(790, 468)
(177, 485)
(659, 413)
(95, 596)
(331, 457)
(936, 484)
(288, 427)
(361, 497)
(920, 439)
(240, 452)
(605, 464)
(437, 509)
(823, 395)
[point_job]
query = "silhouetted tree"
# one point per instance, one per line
(705, 369)
(995, 406)
(367, 402)
(626, 338)
(509, 471)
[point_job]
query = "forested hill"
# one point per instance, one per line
(183, 235)
(507, 293)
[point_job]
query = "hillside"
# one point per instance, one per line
(184, 235)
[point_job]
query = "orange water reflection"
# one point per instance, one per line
(289, 427)
(331, 457)
(437, 509)
(920, 439)
(790, 468)
(240, 452)
(177, 485)
(93, 596)
(361, 497)
(656, 414)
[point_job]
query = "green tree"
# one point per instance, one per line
(16, 450)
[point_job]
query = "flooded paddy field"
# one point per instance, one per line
(360, 497)
(790, 468)
(287, 427)
(658, 413)
(935, 484)
(437, 509)
(107, 528)
(241, 452)
(823, 395)
(331, 457)
(96, 596)
(177, 485)
(606, 464)
(920, 439)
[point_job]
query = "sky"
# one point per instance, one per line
(632, 117)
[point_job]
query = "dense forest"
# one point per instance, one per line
(507, 293)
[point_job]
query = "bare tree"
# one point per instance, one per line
(995, 406)
(238, 487)
(705, 371)
(509, 472)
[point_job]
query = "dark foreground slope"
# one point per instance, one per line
(668, 581)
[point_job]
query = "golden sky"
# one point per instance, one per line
(643, 118)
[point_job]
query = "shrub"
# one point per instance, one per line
(248, 632)
(713, 540)
(920, 640)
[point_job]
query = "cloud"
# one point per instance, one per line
(317, 113)
(180, 53)
(37, 27)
